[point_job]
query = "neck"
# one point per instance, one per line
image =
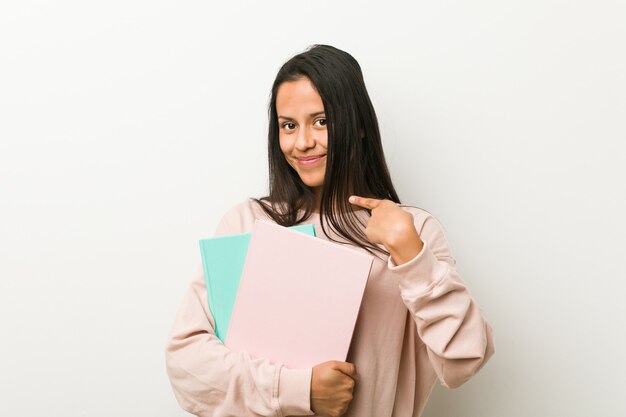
(318, 199)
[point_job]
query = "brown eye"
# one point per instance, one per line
(321, 122)
(289, 126)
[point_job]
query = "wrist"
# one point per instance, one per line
(402, 248)
(294, 391)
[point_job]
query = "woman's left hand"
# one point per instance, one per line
(392, 227)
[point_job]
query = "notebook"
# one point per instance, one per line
(298, 299)
(222, 261)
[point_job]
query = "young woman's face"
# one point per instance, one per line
(302, 130)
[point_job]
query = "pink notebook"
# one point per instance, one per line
(298, 298)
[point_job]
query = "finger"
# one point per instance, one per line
(346, 368)
(368, 203)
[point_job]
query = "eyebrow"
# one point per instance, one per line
(319, 113)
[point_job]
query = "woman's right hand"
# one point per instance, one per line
(332, 384)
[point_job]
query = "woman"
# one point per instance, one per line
(417, 321)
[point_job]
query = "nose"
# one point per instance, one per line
(305, 140)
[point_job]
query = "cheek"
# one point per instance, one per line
(323, 141)
(284, 144)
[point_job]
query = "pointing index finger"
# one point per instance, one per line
(368, 203)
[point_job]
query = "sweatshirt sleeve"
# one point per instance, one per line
(209, 379)
(457, 337)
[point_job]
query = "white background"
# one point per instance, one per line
(127, 128)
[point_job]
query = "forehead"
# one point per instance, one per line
(298, 96)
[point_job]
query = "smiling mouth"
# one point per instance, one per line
(306, 161)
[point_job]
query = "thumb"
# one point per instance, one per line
(346, 368)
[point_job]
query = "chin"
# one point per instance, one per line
(312, 183)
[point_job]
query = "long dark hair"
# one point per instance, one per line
(355, 162)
